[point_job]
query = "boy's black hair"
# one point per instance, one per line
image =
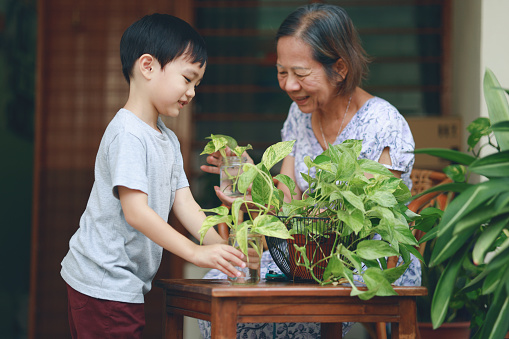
(163, 36)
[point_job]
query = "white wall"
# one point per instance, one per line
(466, 61)
(480, 41)
(495, 41)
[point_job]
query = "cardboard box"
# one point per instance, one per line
(441, 132)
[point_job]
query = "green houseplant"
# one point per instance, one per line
(473, 231)
(357, 208)
(261, 208)
(463, 308)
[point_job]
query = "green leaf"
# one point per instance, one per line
(493, 165)
(487, 238)
(447, 154)
(240, 150)
(236, 205)
(373, 167)
(461, 206)
(347, 168)
(498, 108)
(500, 257)
(413, 250)
(449, 187)
(353, 199)
(493, 280)
(209, 148)
(404, 235)
(221, 210)
(335, 268)
(286, 180)
(393, 274)
(502, 126)
(262, 187)
(385, 199)
(211, 221)
(496, 325)
(376, 280)
(456, 172)
(247, 177)
(445, 288)
(354, 220)
(475, 283)
(374, 249)
(277, 152)
(477, 217)
(478, 128)
(402, 193)
(351, 256)
(219, 143)
(429, 235)
(480, 125)
(271, 226)
(241, 236)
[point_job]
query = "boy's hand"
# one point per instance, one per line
(220, 256)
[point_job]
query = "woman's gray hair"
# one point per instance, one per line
(330, 33)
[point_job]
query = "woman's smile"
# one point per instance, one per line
(301, 100)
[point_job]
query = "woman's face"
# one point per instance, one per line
(303, 78)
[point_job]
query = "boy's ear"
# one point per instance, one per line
(147, 64)
(341, 69)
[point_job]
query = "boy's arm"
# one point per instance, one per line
(187, 211)
(143, 218)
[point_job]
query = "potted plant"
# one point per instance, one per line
(356, 208)
(261, 200)
(473, 231)
(353, 208)
(231, 168)
(463, 308)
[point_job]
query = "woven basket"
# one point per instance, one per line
(318, 238)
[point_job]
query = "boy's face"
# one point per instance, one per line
(174, 85)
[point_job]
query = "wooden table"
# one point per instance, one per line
(224, 305)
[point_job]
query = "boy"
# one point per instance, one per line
(139, 176)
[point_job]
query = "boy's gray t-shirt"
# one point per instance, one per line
(109, 259)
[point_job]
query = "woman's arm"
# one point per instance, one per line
(143, 218)
(385, 159)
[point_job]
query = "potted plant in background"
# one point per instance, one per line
(472, 234)
(464, 308)
(262, 200)
(346, 208)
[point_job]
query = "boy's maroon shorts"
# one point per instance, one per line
(97, 318)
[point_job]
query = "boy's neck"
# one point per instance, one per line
(146, 114)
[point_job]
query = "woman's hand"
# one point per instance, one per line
(215, 159)
(228, 201)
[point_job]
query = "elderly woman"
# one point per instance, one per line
(320, 65)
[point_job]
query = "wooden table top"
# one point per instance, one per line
(223, 288)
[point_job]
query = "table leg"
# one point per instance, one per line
(174, 326)
(332, 330)
(223, 318)
(407, 327)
